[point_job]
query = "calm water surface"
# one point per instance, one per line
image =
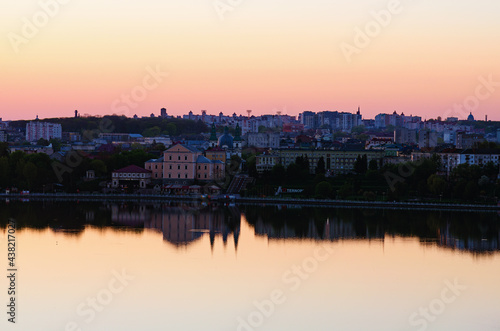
(128, 266)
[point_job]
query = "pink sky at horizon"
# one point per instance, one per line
(266, 56)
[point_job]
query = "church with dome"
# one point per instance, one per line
(226, 140)
(232, 145)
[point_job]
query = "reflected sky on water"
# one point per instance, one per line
(198, 267)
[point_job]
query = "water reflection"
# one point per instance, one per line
(182, 224)
(473, 232)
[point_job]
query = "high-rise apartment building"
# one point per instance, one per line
(36, 130)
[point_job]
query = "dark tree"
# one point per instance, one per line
(320, 168)
(361, 164)
(373, 165)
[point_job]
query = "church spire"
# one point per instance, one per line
(213, 134)
(237, 133)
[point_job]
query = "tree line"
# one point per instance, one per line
(35, 172)
(394, 182)
(148, 127)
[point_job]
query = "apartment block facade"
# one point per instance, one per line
(337, 162)
(36, 130)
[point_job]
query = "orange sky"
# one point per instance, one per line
(260, 55)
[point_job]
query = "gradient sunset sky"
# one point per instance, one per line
(263, 55)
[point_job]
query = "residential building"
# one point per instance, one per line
(120, 137)
(405, 136)
(468, 140)
(378, 142)
(36, 130)
(427, 138)
(336, 161)
(131, 176)
(166, 141)
(450, 137)
(293, 127)
(71, 136)
(265, 162)
(33, 149)
(3, 136)
(480, 157)
(309, 119)
(394, 119)
(263, 140)
(451, 158)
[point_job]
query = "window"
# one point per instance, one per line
(156, 166)
(178, 175)
(169, 175)
(205, 175)
(199, 175)
(178, 167)
(179, 157)
(205, 167)
(156, 175)
(170, 157)
(185, 158)
(186, 167)
(186, 176)
(170, 167)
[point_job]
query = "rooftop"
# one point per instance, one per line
(133, 169)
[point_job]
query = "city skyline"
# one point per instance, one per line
(419, 58)
(212, 117)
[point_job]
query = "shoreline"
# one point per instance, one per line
(252, 201)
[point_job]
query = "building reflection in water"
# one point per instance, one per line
(461, 231)
(332, 229)
(468, 243)
(182, 224)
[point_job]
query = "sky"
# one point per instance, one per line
(420, 57)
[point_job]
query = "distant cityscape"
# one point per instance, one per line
(333, 139)
(407, 129)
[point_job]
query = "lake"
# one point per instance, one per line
(190, 266)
